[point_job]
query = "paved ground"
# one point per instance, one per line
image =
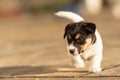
(33, 48)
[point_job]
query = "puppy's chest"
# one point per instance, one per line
(87, 55)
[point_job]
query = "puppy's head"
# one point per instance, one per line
(79, 36)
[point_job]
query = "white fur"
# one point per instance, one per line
(69, 15)
(93, 51)
(77, 61)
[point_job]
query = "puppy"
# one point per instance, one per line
(84, 42)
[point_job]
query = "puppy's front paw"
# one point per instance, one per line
(79, 65)
(95, 69)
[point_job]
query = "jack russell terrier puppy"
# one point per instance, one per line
(84, 41)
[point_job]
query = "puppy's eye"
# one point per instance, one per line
(80, 40)
(69, 41)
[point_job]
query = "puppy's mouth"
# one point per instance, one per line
(76, 53)
(80, 52)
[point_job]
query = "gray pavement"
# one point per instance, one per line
(34, 49)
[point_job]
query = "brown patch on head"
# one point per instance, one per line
(69, 36)
(77, 36)
(86, 45)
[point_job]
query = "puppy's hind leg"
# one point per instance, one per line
(77, 61)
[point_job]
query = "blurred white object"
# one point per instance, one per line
(116, 8)
(93, 6)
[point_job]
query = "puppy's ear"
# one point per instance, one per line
(90, 28)
(66, 30)
(65, 34)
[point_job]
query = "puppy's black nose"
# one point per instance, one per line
(72, 51)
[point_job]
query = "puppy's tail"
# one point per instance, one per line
(70, 15)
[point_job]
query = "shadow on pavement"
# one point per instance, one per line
(29, 70)
(25, 70)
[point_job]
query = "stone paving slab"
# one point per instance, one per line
(109, 73)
